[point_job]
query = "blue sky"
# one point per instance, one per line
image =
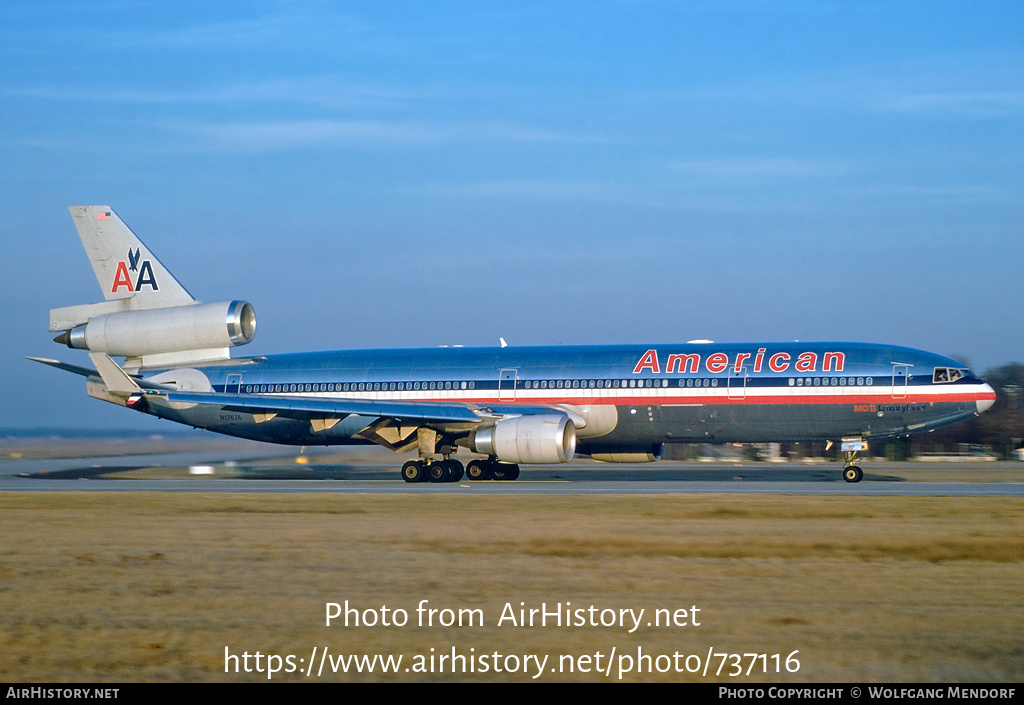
(405, 174)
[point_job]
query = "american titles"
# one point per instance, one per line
(684, 363)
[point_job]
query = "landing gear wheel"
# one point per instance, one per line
(506, 471)
(479, 470)
(457, 470)
(852, 473)
(413, 471)
(440, 472)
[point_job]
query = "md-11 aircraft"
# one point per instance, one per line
(530, 405)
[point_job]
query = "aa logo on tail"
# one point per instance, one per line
(144, 269)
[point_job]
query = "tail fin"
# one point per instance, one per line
(147, 317)
(124, 266)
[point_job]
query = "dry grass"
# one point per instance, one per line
(153, 586)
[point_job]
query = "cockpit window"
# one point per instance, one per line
(948, 374)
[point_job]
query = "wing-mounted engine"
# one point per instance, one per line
(540, 439)
(162, 336)
(628, 453)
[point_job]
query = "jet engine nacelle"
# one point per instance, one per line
(542, 439)
(166, 330)
(630, 454)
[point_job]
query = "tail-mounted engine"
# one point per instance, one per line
(170, 329)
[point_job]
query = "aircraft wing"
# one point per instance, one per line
(395, 424)
(305, 408)
(270, 406)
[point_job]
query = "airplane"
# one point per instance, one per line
(511, 405)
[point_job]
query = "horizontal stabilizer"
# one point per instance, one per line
(86, 372)
(75, 369)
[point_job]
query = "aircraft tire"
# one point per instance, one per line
(506, 471)
(440, 472)
(413, 471)
(852, 473)
(457, 471)
(479, 470)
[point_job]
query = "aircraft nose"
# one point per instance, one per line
(987, 399)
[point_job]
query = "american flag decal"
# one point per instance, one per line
(103, 215)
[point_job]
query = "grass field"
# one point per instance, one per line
(153, 586)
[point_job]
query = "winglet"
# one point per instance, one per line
(116, 380)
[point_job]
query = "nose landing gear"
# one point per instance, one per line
(852, 473)
(850, 448)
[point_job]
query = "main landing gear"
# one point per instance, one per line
(448, 470)
(491, 469)
(451, 470)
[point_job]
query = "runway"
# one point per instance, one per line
(228, 471)
(917, 489)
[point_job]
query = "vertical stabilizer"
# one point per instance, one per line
(124, 266)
